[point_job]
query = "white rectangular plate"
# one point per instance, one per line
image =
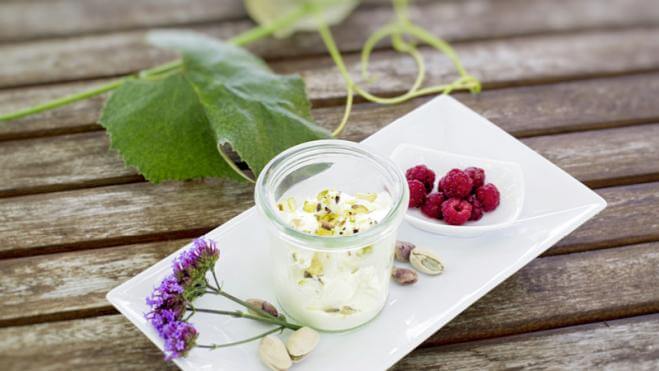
(554, 206)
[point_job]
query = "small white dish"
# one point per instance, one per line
(506, 176)
(555, 205)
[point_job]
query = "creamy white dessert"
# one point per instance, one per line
(335, 290)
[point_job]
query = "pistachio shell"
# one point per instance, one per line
(403, 249)
(404, 276)
(273, 353)
(426, 261)
(301, 343)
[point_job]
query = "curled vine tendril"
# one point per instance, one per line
(397, 30)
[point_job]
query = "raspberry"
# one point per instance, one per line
(417, 193)
(422, 174)
(476, 208)
(489, 197)
(433, 206)
(477, 175)
(456, 184)
(456, 211)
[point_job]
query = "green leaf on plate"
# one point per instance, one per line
(170, 129)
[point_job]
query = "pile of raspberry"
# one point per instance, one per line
(462, 195)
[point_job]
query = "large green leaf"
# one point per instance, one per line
(171, 128)
(160, 128)
(257, 112)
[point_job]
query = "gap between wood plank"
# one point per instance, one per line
(595, 315)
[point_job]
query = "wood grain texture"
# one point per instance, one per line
(631, 216)
(598, 158)
(522, 111)
(101, 343)
(141, 212)
(549, 292)
(563, 290)
(112, 343)
(27, 20)
(628, 344)
(497, 63)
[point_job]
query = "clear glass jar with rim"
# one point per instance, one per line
(337, 282)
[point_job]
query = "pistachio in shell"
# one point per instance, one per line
(301, 343)
(262, 305)
(403, 249)
(404, 276)
(426, 261)
(273, 353)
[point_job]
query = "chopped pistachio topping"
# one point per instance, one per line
(333, 213)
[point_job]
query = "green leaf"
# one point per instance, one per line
(266, 11)
(160, 128)
(171, 128)
(258, 113)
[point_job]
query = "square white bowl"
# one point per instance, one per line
(555, 205)
(506, 176)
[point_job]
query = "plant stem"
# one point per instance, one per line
(239, 314)
(249, 36)
(63, 100)
(215, 346)
(218, 291)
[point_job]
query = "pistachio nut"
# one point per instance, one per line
(262, 305)
(301, 343)
(404, 276)
(403, 249)
(273, 353)
(426, 261)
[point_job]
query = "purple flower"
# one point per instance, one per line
(166, 303)
(180, 337)
(191, 265)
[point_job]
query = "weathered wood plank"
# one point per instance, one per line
(563, 290)
(141, 212)
(73, 285)
(598, 158)
(628, 344)
(70, 285)
(630, 217)
(522, 111)
(490, 18)
(497, 63)
(112, 343)
(101, 343)
(24, 20)
(167, 211)
(604, 157)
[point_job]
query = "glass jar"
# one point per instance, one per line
(336, 282)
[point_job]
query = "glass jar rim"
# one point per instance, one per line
(331, 243)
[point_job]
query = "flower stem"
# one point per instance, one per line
(216, 346)
(218, 291)
(240, 314)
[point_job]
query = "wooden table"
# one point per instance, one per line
(577, 81)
